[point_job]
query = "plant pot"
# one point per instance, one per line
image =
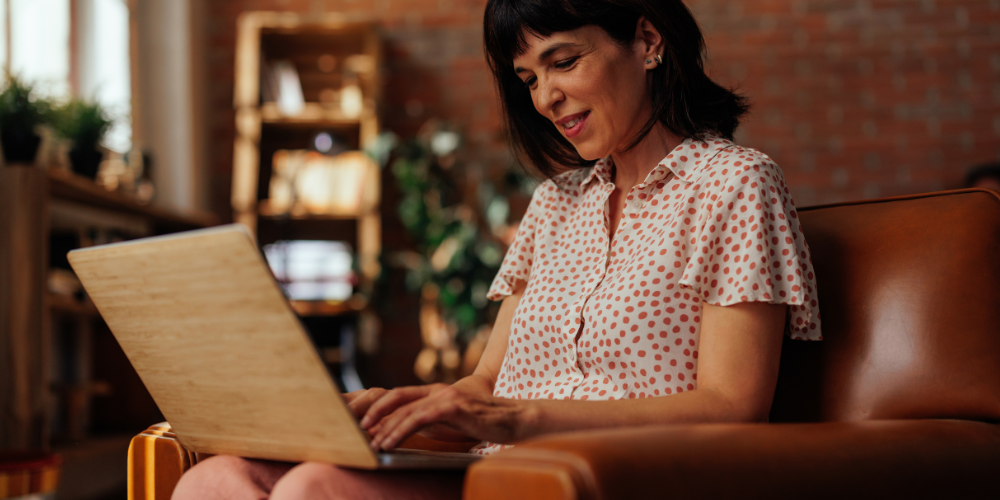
(86, 161)
(19, 146)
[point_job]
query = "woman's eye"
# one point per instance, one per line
(530, 82)
(565, 63)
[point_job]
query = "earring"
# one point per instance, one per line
(648, 61)
(659, 59)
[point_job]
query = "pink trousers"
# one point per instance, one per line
(234, 478)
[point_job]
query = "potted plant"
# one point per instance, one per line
(20, 112)
(84, 123)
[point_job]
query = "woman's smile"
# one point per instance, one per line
(574, 124)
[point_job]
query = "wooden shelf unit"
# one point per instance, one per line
(65, 185)
(43, 332)
(313, 114)
(262, 129)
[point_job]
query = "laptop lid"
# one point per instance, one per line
(208, 330)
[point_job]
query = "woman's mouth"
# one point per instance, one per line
(575, 124)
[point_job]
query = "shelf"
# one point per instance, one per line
(70, 306)
(313, 114)
(308, 308)
(65, 185)
(265, 212)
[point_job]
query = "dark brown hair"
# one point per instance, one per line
(685, 100)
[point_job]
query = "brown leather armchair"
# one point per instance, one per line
(901, 398)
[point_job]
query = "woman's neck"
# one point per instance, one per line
(632, 166)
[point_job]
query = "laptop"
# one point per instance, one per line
(207, 328)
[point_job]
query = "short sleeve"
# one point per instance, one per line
(520, 256)
(751, 249)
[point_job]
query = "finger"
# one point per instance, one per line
(442, 402)
(351, 396)
(390, 421)
(387, 424)
(388, 403)
(391, 401)
(380, 429)
(438, 412)
(435, 392)
(361, 404)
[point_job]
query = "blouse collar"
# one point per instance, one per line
(684, 161)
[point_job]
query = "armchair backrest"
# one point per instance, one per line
(909, 293)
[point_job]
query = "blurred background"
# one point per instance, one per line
(361, 142)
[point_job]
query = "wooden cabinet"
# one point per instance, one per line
(63, 378)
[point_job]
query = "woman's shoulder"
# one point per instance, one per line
(735, 164)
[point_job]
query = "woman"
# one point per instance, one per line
(659, 259)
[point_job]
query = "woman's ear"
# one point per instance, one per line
(648, 42)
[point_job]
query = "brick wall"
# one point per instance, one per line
(863, 98)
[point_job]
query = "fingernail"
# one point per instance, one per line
(365, 422)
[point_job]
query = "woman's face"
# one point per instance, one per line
(592, 89)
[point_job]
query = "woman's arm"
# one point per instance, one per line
(485, 375)
(737, 371)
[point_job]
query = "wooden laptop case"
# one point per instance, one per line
(211, 335)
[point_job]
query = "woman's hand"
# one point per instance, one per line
(360, 401)
(447, 411)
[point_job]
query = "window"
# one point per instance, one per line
(103, 55)
(36, 44)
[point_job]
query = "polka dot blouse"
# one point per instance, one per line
(713, 222)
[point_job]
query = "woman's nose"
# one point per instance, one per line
(547, 97)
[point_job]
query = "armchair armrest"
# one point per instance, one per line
(156, 461)
(872, 459)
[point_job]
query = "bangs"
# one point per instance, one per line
(509, 23)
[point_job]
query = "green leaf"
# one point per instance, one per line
(465, 316)
(20, 107)
(84, 123)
